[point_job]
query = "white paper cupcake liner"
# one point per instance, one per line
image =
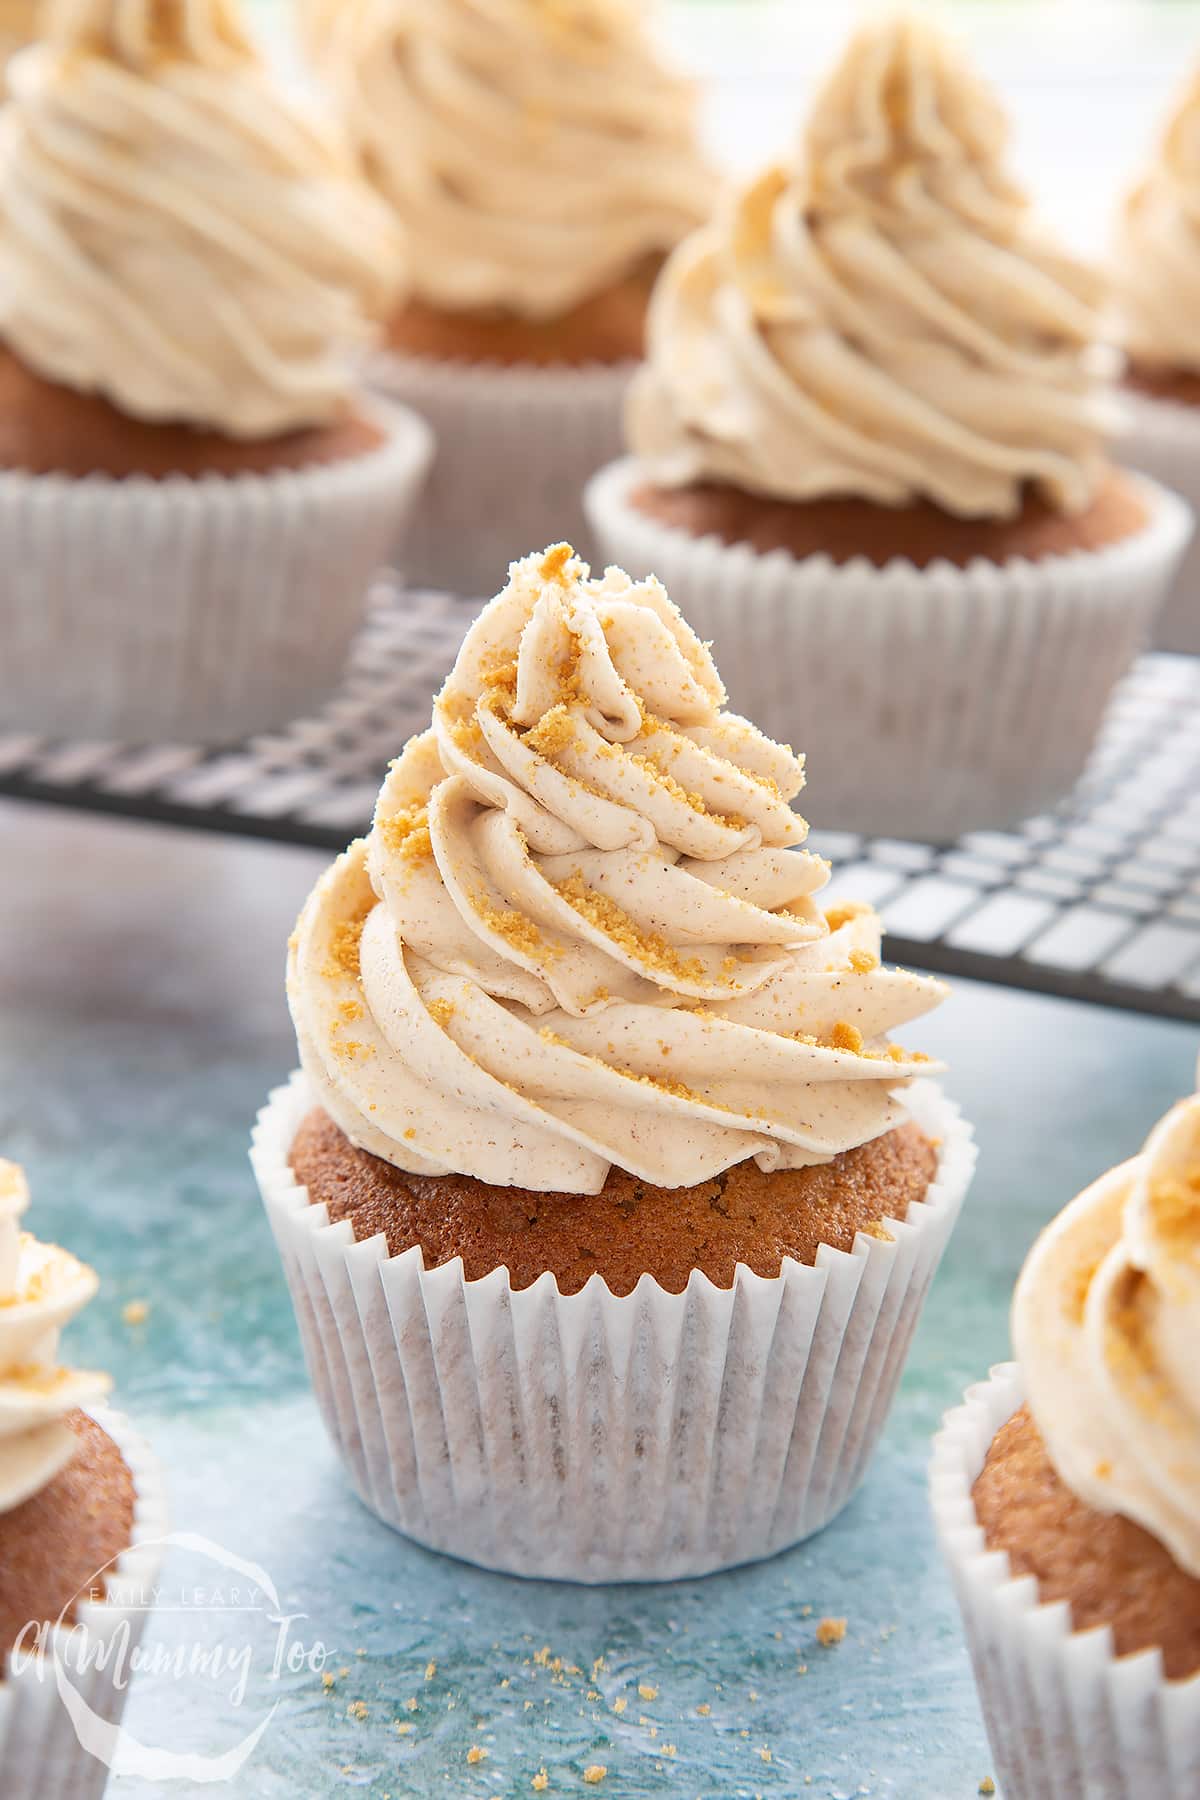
(928, 702)
(198, 610)
(595, 1438)
(1162, 439)
(41, 1752)
(1066, 1718)
(515, 447)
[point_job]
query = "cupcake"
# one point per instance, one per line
(542, 161)
(193, 499)
(607, 1203)
(868, 459)
(81, 1513)
(1067, 1495)
(1156, 276)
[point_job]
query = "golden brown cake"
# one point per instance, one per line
(1108, 1569)
(607, 327)
(630, 1228)
(55, 1547)
(50, 429)
(1160, 381)
(921, 532)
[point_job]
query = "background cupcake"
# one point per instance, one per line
(192, 498)
(1067, 1494)
(1156, 274)
(870, 460)
(81, 1509)
(542, 161)
(607, 1115)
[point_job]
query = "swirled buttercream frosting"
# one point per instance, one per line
(1106, 1326)
(583, 931)
(41, 1289)
(879, 317)
(1156, 269)
(175, 234)
(536, 151)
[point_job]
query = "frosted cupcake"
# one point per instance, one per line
(607, 1203)
(541, 160)
(81, 1510)
(1156, 275)
(869, 459)
(193, 499)
(1067, 1494)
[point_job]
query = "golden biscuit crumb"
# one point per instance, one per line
(136, 1312)
(594, 1774)
(540, 1782)
(646, 1691)
(830, 1632)
(476, 1754)
(553, 565)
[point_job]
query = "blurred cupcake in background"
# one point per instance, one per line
(82, 1513)
(869, 459)
(1156, 275)
(542, 161)
(193, 499)
(1067, 1494)
(18, 27)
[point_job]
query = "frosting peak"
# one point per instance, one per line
(879, 318)
(1106, 1324)
(536, 151)
(1157, 265)
(581, 931)
(41, 1289)
(175, 234)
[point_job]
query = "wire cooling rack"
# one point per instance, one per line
(1100, 901)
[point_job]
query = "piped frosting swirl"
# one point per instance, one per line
(536, 151)
(1156, 269)
(175, 234)
(1106, 1325)
(881, 317)
(582, 932)
(41, 1290)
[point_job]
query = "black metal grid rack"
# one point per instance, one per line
(1100, 901)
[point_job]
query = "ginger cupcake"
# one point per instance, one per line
(1156, 277)
(606, 1201)
(1067, 1494)
(869, 459)
(81, 1514)
(542, 160)
(193, 497)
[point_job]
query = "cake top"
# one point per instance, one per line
(175, 234)
(582, 931)
(880, 317)
(1156, 268)
(1106, 1325)
(536, 151)
(41, 1289)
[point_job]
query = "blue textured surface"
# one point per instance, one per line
(143, 1023)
